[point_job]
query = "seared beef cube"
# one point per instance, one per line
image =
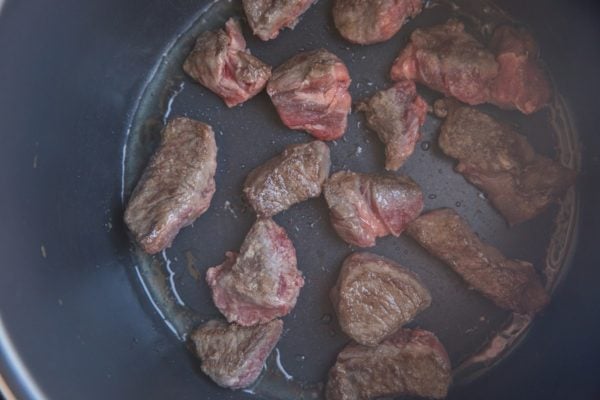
(364, 207)
(511, 284)
(449, 60)
(519, 182)
(295, 175)
(411, 362)
(260, 283)
(375, 296)
(372, 21)
(268, 17)
(221, 62)
(232, 355)
(396, 114)
(176, 186)
(310, 93)
(521, 81)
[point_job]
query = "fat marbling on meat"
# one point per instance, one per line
(375, 296)
(221, 62)
(260, 283)
(233, 356)
(364, 207)
(409, 363)
(396, 115)
(511, 284)
(310, 93)
(176, 186)
(295, 175)
(519, 182)
(372, 21)
(268, 17)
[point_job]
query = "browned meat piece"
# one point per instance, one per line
(519, 182)
(511, 284)
(396, 114)
(232, 355)
(521, 82)
(449, 60)
(374, 297)
(221, 62)
(310, 92)
(260, 283)
(411, 362)
(364, 207)
(372, 21)
(267, 17)
(176, 187)
(295, 175)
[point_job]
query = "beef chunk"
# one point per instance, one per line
(364, 207)
(374, 297)
(267, 17)
(295, 175)
(511, 284)
(232, 355)
(519, 182)
(449, 60)
(372, 21)
(221, 62)
(260, 283)
(411, 362)
(176, 186)
(396, 114)
(310, 92)
(521, 82)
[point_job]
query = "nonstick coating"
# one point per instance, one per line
(250, 134)
(75, 322)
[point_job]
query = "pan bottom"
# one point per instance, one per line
(247, 135)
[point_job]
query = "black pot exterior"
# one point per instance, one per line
(71, 324)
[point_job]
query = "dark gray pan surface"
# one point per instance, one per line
(250, 134)
(74, 320)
